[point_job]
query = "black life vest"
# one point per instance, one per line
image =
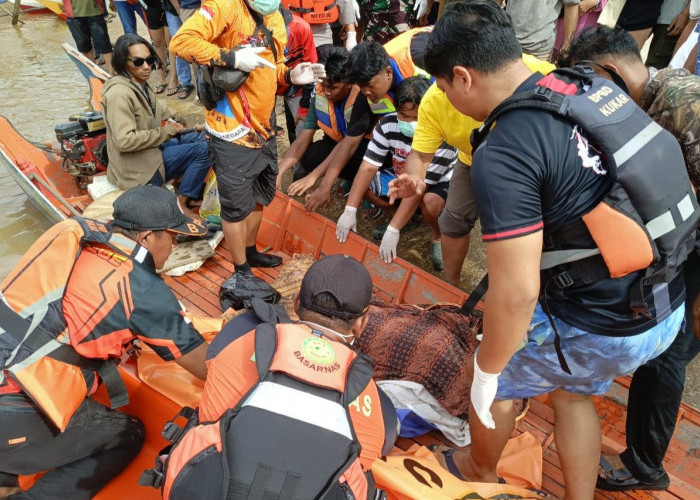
(648, 218)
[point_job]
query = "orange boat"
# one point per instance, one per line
(287, 229)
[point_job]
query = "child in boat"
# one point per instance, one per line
(392, 137)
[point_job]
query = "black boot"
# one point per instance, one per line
(257, 259)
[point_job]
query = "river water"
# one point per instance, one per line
(39, 87)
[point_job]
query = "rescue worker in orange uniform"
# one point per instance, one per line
(333, 306)
(249, 36)
(69, 310)
(377, 71)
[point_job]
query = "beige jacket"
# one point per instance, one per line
(134, 132)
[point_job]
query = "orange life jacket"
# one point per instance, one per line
(35, 335)
(399, 51)
(305, 391)
(325, 113)
(314, 11)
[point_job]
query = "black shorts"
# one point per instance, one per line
(155, 15)
(439, 189)
(639, 14)
(246, 176)
(88, 32)
(318, 151)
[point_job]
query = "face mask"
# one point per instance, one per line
(264, 7)
(407, 128)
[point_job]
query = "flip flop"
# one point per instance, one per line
(623, 480)
(448, 458)
(172, 91)
(160, 89)
(450, 464)
(184, 91)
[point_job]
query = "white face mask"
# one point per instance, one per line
(315, 327)
(264, 7)
(407, 128)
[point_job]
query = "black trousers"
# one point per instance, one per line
(319, 151)
(95, 447)
(656, 391)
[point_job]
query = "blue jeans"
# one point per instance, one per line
(127, 15)
(181, 66)
(187, 157)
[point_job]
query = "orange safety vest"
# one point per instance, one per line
(399, 51)
(34, 330)
(325, 113)
(298, 388)
(314, 11)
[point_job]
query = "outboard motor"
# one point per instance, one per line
(83, 146)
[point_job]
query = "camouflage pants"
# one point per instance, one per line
(385, 19)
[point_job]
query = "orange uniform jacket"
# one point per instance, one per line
(217, 27)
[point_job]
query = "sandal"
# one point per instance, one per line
(184, 91)
(448, 460)
(436, 255)
(622, 480)
(160, 88)
(171, 91)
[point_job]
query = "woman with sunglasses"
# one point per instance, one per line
(147, 142)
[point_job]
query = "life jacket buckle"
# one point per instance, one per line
(543, 93)
(154, 477)
(563, 280)
(132, 350)
(172, 432)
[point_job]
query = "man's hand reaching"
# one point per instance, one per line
(405, 186)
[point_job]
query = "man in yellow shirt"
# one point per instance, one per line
(438, 122)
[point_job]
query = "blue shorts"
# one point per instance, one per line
(595, 360)
(380, 182)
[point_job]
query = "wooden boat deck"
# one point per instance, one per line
(199, 292)
(287, 229)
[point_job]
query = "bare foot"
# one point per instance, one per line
(186, 206)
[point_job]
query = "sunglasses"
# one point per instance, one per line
(138, 61)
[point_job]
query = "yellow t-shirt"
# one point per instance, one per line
(439, 121)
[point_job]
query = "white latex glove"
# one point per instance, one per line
(356, 9)
(420, 7)
(247, 59)
(484, 387)
(387, 250)
(306, 73)
(350, 40)
(346, 223)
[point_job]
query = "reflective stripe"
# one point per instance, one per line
(558, 257)
(299, 405)
(140, 255)
(634, 145)
(660, 225)
(685, 207)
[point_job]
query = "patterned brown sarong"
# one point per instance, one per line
(432, 346)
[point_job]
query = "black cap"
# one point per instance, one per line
(345, 279)
(151, 208)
